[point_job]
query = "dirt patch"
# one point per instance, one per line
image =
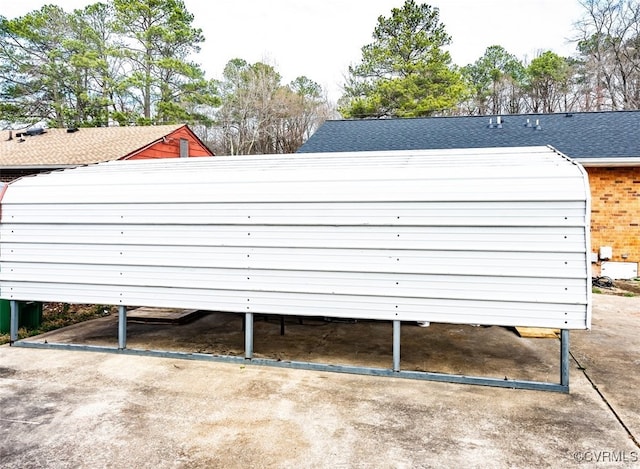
(607, 286)
(58, 315)
(632, 286)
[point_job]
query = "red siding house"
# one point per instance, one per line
(36, 150)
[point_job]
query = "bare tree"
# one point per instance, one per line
(609, 42)
(259, 115)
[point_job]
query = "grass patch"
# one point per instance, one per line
(596, 291)
(59, 315)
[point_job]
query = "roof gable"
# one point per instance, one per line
(583, 135)
(61, 147)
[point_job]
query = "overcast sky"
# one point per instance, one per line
(321, 38)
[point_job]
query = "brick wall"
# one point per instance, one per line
(615, 211)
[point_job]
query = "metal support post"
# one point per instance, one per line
(248, 336)
(13, 321)
(396, 345)
(564, 357)
(122, 327)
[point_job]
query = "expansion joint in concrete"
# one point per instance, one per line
(606, 401)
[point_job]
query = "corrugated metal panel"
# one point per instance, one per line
(488, 236)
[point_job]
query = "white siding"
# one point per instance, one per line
(481, 236)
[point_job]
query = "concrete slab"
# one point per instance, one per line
(494, 352)
(609, 354)
(80, 409)
(162, 315)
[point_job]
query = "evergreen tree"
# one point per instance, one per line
(159, 40)
(404, 72)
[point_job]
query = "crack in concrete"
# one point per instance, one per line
(606, 401)
(26, 422)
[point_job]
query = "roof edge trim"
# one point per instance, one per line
(619, 161)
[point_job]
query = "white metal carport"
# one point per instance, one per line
(478, 236)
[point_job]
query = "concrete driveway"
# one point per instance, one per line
(69, 409)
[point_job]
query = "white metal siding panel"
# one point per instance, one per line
(488, 236)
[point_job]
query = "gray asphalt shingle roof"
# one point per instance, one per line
(614, 134)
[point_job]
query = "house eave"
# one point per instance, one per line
(609, 162)
(41, 167)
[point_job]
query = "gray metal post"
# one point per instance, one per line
(13, 321)
(564, 357)
(122, 327)
(248, 335)
(396, 345)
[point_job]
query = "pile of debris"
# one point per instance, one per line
(609, 286)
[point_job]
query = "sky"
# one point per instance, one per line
(321, 38)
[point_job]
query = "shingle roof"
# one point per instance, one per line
(58, 147)
(601, 135)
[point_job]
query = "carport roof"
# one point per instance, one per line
(591, 137)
